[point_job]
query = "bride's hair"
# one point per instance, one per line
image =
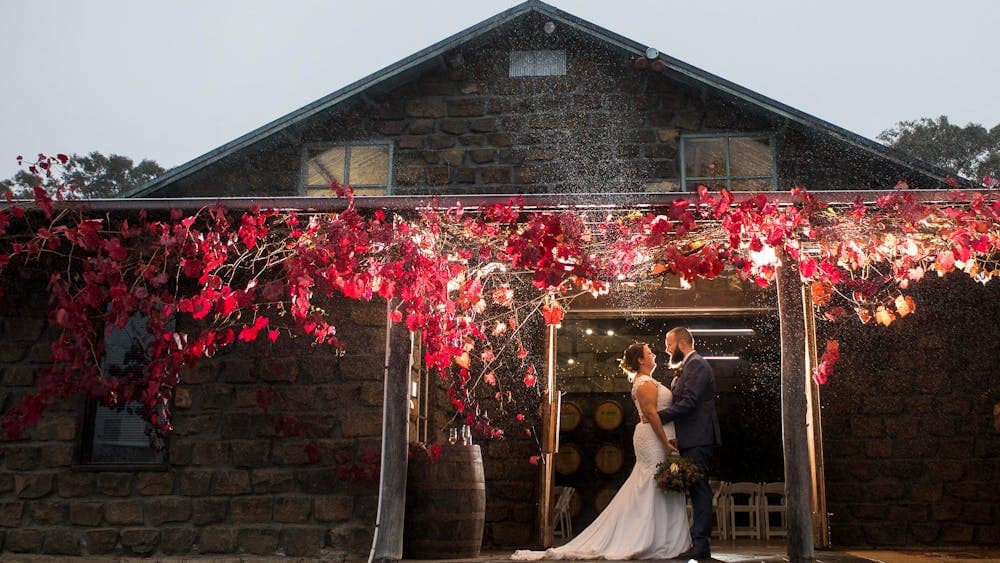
(630, 360)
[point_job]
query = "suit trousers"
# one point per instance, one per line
(701, 497)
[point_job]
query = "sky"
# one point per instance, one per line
(172, 80)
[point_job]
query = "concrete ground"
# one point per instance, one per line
(743, 551)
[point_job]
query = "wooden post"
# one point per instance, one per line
(794, 408)
(821, 525)
(550, 429)
(387, 544)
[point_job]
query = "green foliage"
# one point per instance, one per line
(971, 151)
(93, 176)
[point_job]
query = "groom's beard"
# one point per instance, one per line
(676, 359)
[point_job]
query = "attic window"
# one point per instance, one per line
(537, 63)
(737, 162)
(365, 166)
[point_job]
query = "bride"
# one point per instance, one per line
(640, 522)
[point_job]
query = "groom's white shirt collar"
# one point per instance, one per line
(686, 356)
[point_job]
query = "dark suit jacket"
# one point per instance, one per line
(693, 407)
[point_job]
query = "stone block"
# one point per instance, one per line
(333, 508)
(115, 484)
(251, 510)
(10, 514)
(481, 156)
(83, 513)
(957, 533)
(160, 511)
(440, 141)
(48, 513)
(256, 453)
(23, 541)
(510, 533)
(73, 485)
(21, 457)
(407, 142)
(236, 482)
(467, 107)
(56, 455)
(301, 541)
(177, 541)
(292, 509)
(210, 453)
(17, 376)
(183, 398)
(61, 541)
(495, 175)
(361, 423)
(209, 511)
(425, 107)
(148, 484)
(33, 486)
(123, 512)
(437, 175)
(273, 480)
(420, 126)
(140, 541)
(101, 541)
(194, 483)
(483, 125)
(259, 541)
(58, 428)
(187, 424)
(349, 539)
(453, 126)
(217, 539)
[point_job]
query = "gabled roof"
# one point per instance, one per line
(430, 53)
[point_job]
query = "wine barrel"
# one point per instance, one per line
(609, 459)
(608, 415)
(569, 417)
(445, 505)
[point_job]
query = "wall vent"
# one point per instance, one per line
(537, 63)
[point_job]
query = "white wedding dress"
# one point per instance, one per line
(640, 522)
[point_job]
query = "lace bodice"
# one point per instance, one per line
(663, 395)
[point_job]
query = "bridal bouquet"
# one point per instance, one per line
(676, 475)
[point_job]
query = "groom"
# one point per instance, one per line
(697, 426)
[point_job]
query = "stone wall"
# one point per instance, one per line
(911, 444)
(238, 479)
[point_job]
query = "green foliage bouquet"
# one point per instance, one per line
(676, 474)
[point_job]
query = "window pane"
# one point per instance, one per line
(325, 166)
(369, 166)
(704, 158)
(120, 437)
(761, 185)
(749, 156)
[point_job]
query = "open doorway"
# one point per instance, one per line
(598, 416)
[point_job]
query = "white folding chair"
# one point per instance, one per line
(772, 497)
(564, 523)
(719, 491)
(744, 498)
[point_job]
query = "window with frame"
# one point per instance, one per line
(735, 162)
(119, 435)
(365, 166)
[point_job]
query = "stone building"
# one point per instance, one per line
(272, 448)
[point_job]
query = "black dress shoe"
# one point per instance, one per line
(696, 553)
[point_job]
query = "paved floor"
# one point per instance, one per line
(731, 552)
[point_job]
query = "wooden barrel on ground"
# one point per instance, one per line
(445, 505)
